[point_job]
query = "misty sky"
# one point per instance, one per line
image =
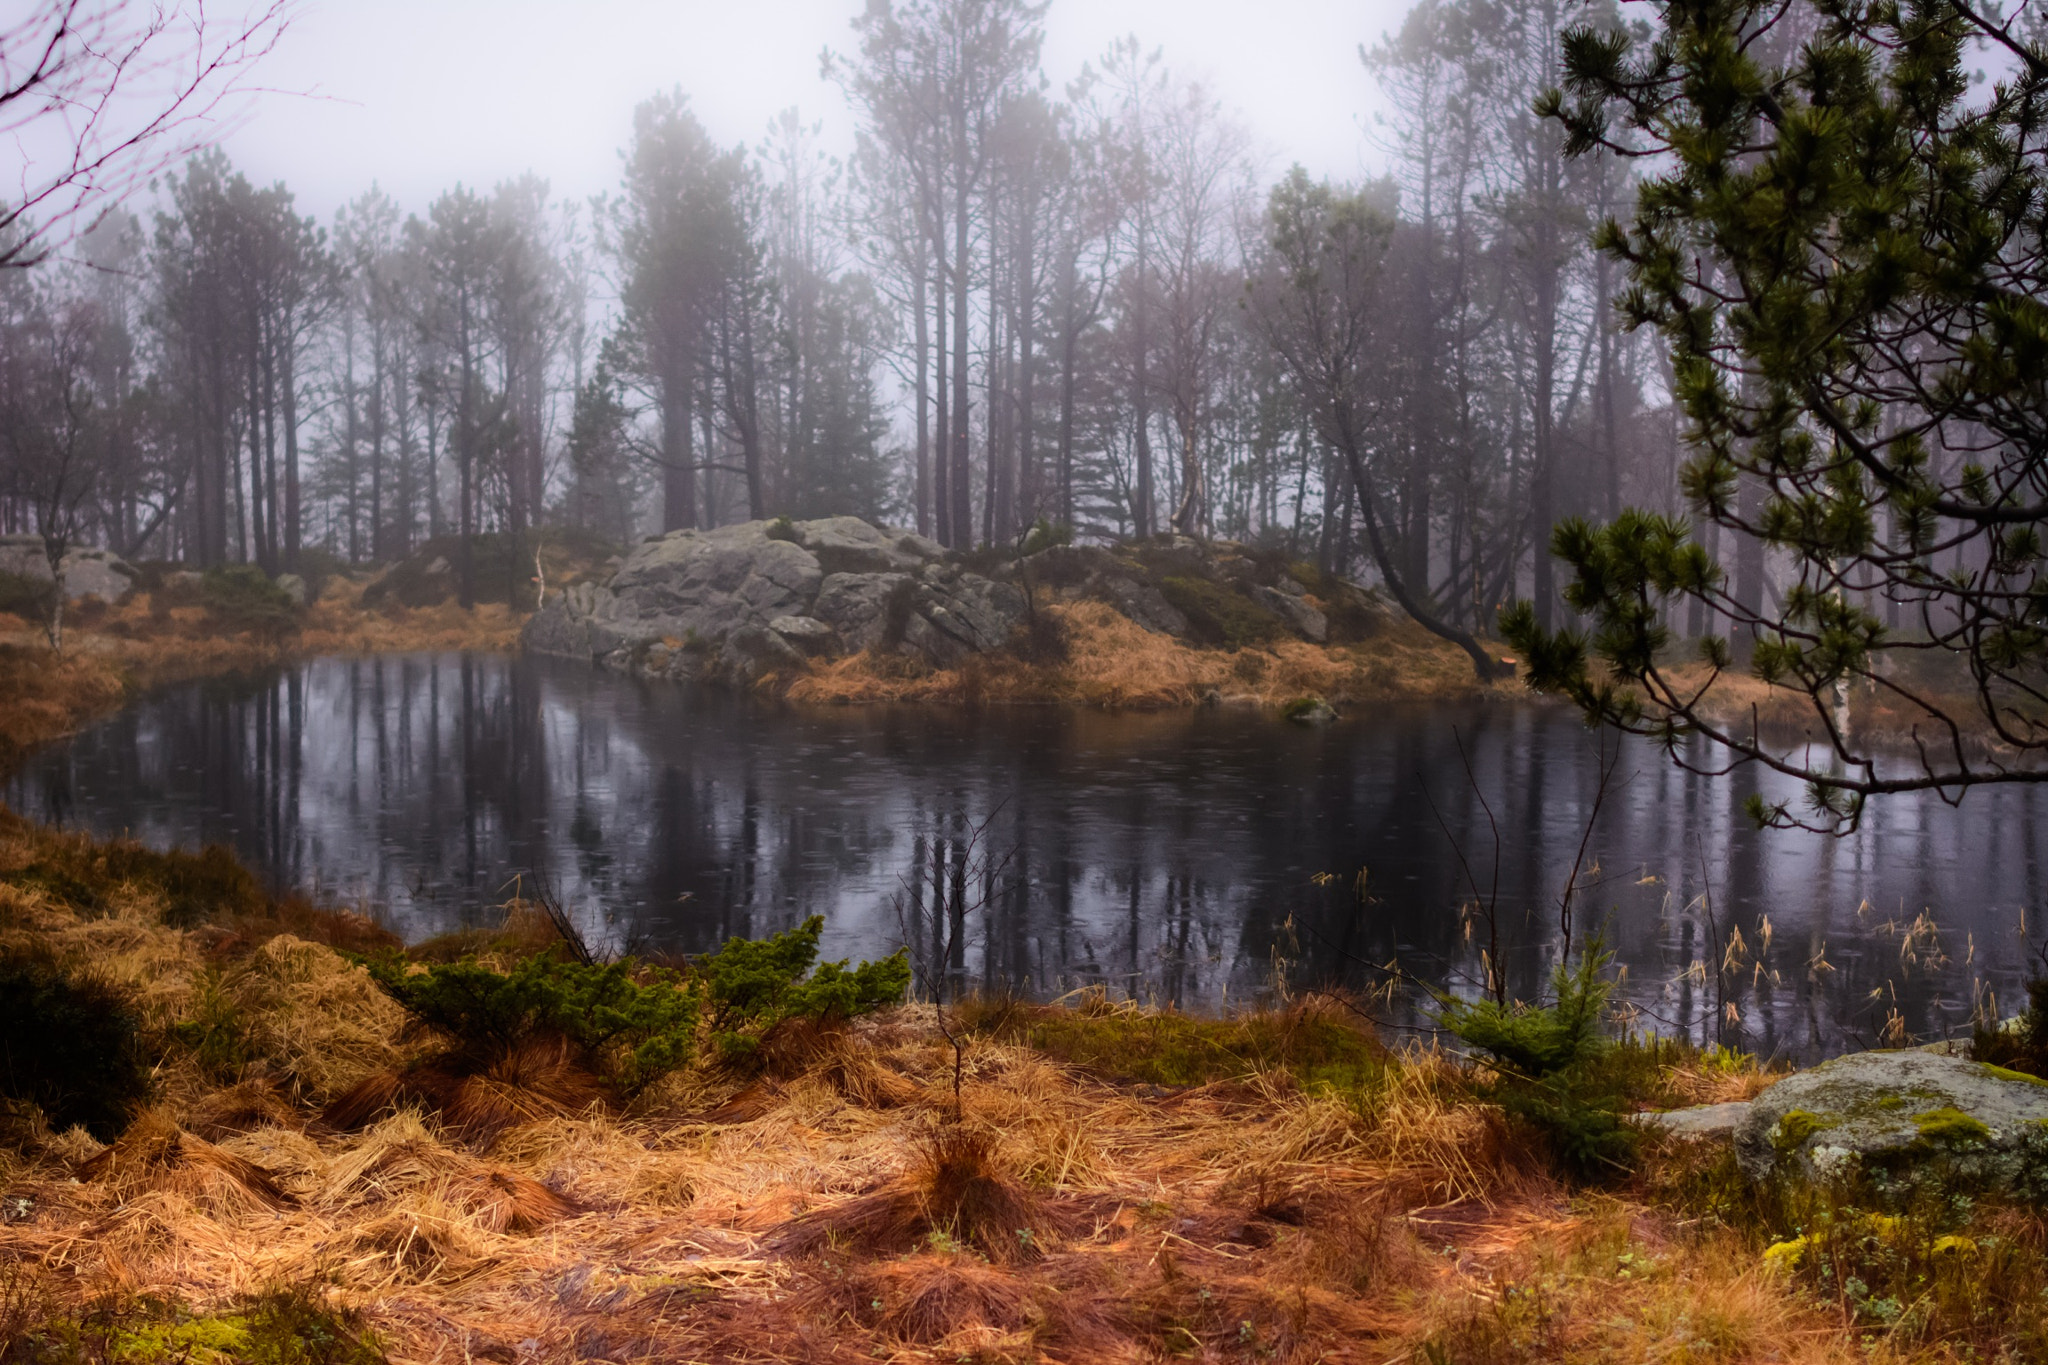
(417, 94)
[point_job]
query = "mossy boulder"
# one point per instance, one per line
(1894, 1117)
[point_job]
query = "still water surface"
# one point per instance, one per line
(1184, 857)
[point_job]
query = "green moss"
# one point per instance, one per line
(1892, 1102)
(1795, 1127)
(1301, 706)
(282, 1327)
(242, 597)
(2007, 1074)
(1219, 616)
(199, 1341)
(1949, 1126)
(1166, 1048)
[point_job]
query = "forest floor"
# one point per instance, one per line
(1086, 1181)
(113, 654)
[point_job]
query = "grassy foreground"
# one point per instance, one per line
(1110, 1184)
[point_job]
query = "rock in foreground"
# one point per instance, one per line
(1888, 1114)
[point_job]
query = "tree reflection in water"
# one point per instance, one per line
(1178, 857)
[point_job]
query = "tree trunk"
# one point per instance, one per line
(963, 465)
(924, 436)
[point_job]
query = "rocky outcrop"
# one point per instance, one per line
(738, 603)
(1895, 1117)
(87, 572)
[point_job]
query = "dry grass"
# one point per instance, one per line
(1246, 1219)
(1300, 1193)
(479, 1100)
(1113, 662)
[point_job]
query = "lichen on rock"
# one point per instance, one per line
(1896, 1117)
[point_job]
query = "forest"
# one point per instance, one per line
(1075, 297)
(1022, 814)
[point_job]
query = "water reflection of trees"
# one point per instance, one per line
(1177, 857)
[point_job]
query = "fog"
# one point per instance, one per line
(418, 96)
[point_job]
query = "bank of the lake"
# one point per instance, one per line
(115, 653)
(1075, 1182)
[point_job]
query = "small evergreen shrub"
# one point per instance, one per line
(633, 1022)
(1219, 616)
(212, 1030)
(1551, 1061)
(70, 1044)
(631, 1028)
(782, 528)
(752, 985)
(241, 597)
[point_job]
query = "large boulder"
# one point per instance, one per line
(709, 584)
(1293, 608)
(87, 572)
(1892, 1116)
(738, 602)
(1142, 603)
(564, 625)
(868, 610)
(850, 545)
(954, 614)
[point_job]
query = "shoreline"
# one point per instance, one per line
(116, 654)
(1065, 1183)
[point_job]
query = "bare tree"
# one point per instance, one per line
(49, 422)
(101, 95)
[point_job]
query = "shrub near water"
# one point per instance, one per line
(1555, 1065)
(631, 1030)
(544, 1033)
(752, 986)
(241, 597)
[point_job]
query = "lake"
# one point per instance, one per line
(1196, 858)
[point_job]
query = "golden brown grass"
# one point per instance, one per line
(114, 654)
(1113, 662)
(1287, 1189)
(1062, 1216)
